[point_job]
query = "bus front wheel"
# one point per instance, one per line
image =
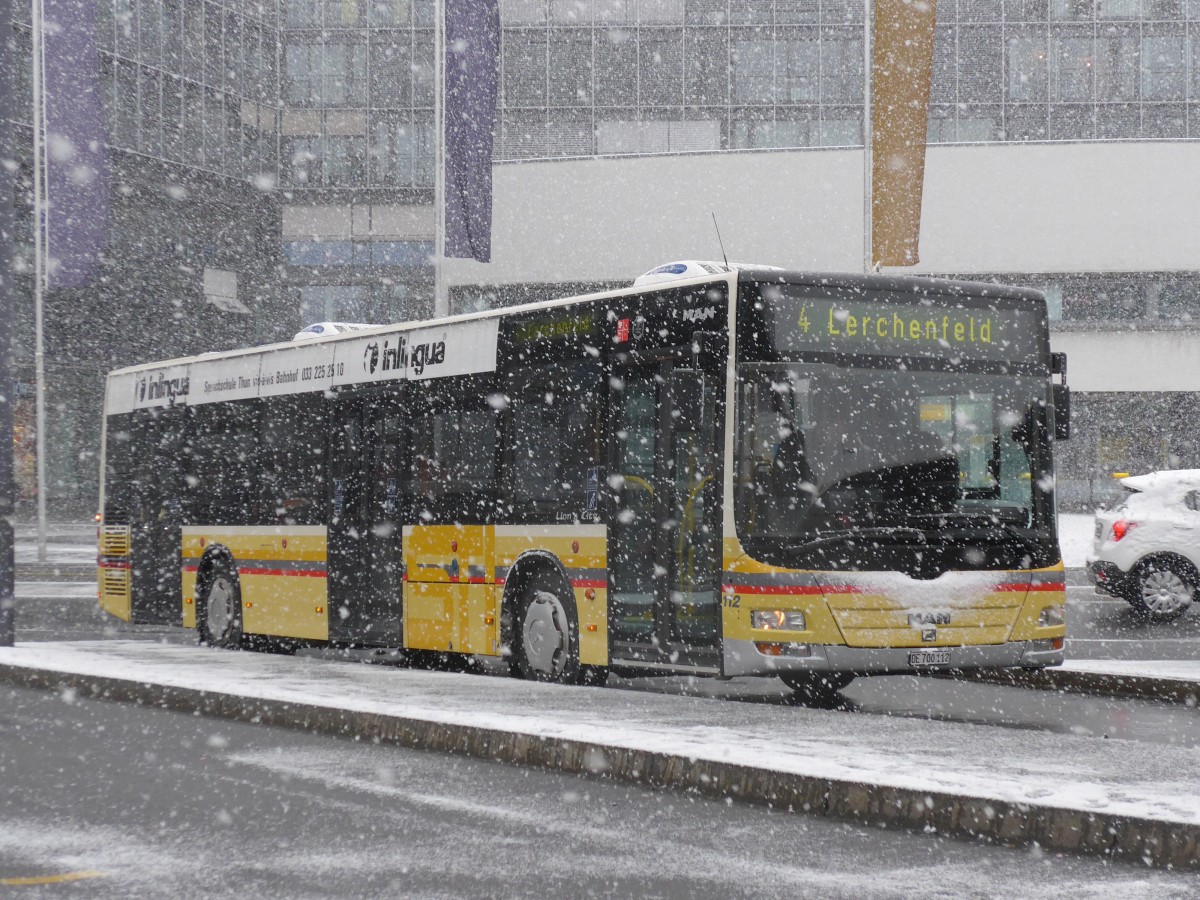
(816, 688)
(219, 610)
(547, 634)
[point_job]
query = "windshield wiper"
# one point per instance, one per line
(848, 534)
(993, 522)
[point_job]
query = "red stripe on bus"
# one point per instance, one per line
(851, 589)
(112, 565)
(304, 573)
(590, 583)
(1060, 586)
(799, 589)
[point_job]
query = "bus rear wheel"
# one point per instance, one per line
(816, 688)
(546, 642)
(219, 609)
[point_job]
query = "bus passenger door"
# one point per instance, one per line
(664, 532)
(695, 518)
(364, 561)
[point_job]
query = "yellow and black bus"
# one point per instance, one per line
(726, 471)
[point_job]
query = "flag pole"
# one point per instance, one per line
(40, 238)
(441, 302)
(7, 318)
(868, 137)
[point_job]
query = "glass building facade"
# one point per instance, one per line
(291, 142)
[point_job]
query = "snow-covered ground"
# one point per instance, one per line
(57, 554)
(1009, 765)
(1170, 669)
(1075, 538)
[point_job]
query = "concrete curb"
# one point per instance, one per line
(1144, 841)
(1101, 684)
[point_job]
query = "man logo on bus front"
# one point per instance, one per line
(371, 357)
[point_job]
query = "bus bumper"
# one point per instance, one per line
(744, 658)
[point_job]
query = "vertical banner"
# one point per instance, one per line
(472, 73)
(76, 144)
(902, 69)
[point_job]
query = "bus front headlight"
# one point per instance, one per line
(777, 620)
(1052, 616)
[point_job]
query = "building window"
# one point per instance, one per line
(799, 71)
(841, 66)
(753, 72)
(1027, 68)
(1071, 68)
(1162, 67)
(326, 74)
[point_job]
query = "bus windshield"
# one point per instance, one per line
(890, 463)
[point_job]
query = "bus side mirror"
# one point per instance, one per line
(1060, 396)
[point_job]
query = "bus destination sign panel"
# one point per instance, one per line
(887, 328)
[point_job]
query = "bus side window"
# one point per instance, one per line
(453, 447)
(554, 412)
(293, 456)
(225, 464)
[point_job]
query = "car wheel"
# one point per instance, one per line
(219, 609)
(1162, 590)
(818, 689)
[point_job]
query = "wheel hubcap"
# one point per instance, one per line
(545, 637)
(1165, 592)
(220, 608)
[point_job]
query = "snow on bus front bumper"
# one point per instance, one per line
(793, 621)
(744, 658)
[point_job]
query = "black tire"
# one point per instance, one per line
(219, 608)
(1162, 589)
(545, 639)
(593, 676)
(818, 689)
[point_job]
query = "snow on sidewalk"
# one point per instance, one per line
(1187, 670)
(1010, 765)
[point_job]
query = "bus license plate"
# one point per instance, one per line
(929, 658)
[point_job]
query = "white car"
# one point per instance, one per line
(1147, 549)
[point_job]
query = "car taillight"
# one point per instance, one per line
(1122, 527)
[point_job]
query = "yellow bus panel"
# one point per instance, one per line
(281, 571)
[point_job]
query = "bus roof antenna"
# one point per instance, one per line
(719, 241)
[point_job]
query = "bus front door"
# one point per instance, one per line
(664, 531)
(364, 522)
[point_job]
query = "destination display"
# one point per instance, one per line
(885, 327)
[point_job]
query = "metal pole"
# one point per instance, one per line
(7, 316)
(868, 187)
(441, 301)
(39, 274)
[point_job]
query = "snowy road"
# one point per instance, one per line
(142, 802)
(1089, 771)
